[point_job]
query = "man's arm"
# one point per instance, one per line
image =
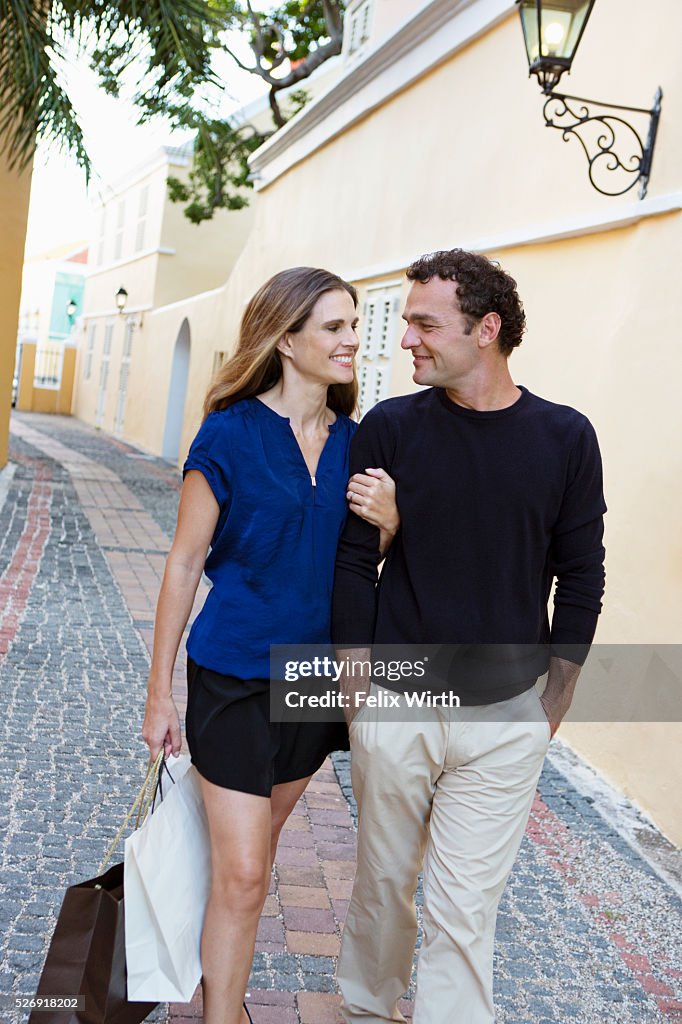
(357, 560)
(578, 563)
(355, 679)
(557, 696)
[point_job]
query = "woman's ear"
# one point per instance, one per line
(284, 346)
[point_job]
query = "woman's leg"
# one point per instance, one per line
(240, 835)
(284, 799)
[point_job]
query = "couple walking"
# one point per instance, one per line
(478, 495)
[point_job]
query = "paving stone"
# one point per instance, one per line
(304, 896)
(315, 943)
(319, 1008)
(305, 919)
(587, 930)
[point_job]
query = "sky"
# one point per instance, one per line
(61, 205)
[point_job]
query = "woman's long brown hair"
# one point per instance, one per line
(281, 306)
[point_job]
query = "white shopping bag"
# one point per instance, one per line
(167, 877)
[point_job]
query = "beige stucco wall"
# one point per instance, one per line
(204, 253)
(463, 156)
(179, 259)
(151, 371)
(14, 197)
(458, 158)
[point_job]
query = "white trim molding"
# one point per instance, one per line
(534, 234)
(167, 156)
(190, 298)
(114, 314)
(429, 37)
(105, 268)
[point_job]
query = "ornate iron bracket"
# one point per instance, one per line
(603, 136)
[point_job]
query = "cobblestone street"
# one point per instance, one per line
(589, 928)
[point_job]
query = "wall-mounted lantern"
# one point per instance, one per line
(121, 299)
(552, 30)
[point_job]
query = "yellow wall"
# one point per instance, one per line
(463, 156)
(151, 371)
(65, 397)
(14, 196)
(49, 400)
(204, 253)
(28, 365)
(44, 400)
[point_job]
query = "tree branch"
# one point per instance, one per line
(254, 71)
(258, 45)
(333, 19)
(303, 70)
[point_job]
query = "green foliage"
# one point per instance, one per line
(220, 171)
(163, 50)
(171, 42)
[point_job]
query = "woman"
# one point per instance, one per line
(265, 487)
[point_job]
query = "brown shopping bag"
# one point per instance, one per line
(87, 957)
(87, 952)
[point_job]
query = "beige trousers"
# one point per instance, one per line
(451, 789)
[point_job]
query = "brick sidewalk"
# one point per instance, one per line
(588, 931)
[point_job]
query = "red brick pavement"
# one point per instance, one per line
(315, 864)
(18, 578)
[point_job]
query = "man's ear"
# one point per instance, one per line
(489, 329)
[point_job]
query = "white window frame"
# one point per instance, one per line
(120, 221)
(104, 374)
(102, 235)
(90, 351)
(358, 27)
(123, 376)
(379, 332)
(143, 207)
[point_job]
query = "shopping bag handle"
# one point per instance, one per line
(158, 788)
(141, 803)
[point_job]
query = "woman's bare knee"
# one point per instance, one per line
(241, 886)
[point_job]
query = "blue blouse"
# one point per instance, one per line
(272, 555)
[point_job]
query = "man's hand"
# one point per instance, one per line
(355, 678)
(558, 694)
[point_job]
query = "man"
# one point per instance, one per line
(500, 494)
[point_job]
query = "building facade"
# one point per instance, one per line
(432, 136)
(146, 255)
(53, 285)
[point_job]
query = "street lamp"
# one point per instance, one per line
(71, 309)
(121, 299)
(552, 30)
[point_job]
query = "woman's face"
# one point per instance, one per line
(324, 349)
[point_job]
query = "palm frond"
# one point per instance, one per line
(172, 39)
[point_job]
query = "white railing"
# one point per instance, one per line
(48, 368)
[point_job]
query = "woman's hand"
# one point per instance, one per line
(371, 495)
(161, 726)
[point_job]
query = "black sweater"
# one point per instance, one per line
(494, 506)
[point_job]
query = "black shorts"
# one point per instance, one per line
(233, 743)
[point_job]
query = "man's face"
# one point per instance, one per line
(443, 348)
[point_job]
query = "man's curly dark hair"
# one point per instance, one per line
(482, 287)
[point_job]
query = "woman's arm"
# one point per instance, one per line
(197, 517)
(371, 495)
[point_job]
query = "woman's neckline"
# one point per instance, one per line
(286, 420)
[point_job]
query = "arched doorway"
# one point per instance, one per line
(177, 392)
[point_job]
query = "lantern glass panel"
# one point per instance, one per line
(553, 28)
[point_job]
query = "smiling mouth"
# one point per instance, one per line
(342, 360)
